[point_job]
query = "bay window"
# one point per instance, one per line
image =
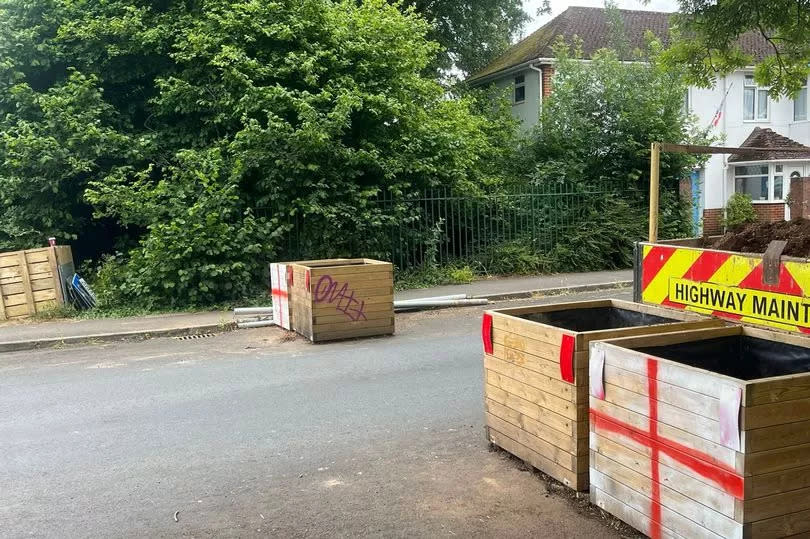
(762, 182)
(755, 101)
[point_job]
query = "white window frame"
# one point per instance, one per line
(519, 85)
(772, 173)
(749, 82)
(799, 96)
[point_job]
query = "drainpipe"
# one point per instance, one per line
(539, 88)
(725, 157)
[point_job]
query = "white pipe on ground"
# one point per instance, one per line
(256, 324)
(434, 298)
(253, 310)
(440, 303)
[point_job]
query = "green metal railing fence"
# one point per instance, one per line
(438, 226)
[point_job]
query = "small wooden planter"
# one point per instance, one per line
(536, 375)
(29, 281)
(703, 433)
(341, 298)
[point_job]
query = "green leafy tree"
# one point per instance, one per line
(472, 32)
(709, 32)
(596, 128)
(205, 128)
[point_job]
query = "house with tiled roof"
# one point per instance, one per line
(736, 107)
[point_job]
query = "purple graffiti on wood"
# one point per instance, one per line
(326, 291)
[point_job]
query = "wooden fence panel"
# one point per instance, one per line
(29, 281)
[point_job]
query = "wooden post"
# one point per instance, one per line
(26, 282)
(655, 172)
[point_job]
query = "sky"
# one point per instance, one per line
(558, 6)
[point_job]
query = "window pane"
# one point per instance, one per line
(800, 106)
(520, 94)
(756, 188)
(778, 168)
(520, 79)
(777, 187)
(748, 103)
(749, 80)
(762, 105)
(751, 170)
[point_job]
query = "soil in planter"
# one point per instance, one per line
(755, 237)
(596, 319)
(739, 356)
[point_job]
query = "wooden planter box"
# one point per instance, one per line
(703, 433)
(29, 281)
(536, 375)
(340, 298)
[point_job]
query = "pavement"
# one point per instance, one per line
(31, 334)
(260, 433)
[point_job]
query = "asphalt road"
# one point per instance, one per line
(254, 433)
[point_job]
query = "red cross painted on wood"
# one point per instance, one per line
(700, 463)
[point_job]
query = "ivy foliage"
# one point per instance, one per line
(203, 128)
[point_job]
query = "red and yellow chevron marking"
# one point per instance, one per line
(727, 285)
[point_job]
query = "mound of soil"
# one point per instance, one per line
(755, 237)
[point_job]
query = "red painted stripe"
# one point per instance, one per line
(486, 333)
(280, 293)
(567, 358)
(706, 265)
(704, 465)
(787, 285)
(652, 399)
(653, 263)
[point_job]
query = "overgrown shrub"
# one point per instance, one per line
(739, 211)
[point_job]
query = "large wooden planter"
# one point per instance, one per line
(703, 433)
(536, 375)
(29, 281)
(340, 298)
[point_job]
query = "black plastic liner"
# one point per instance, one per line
(596, 318)
(739, 356)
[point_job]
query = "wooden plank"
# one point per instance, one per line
(776, 505)
(778, 389)
(36, 285)
(765, 415)
(567, 477)
(624, 512)
(670, 498)
(18, 311)
(538, 445)
(677, 337)
(340, 317)
(657, 329)
(349, 324)
(343, 270)
(534, 411)
(350, 334)
(672, 373)
(791, 525)
(698, 425)
(768, 484)
(555, 386)
(543, 399)
(12, 272)
(638, 458)
(383, 277)
(565, 441)
(676, 396)
(38, 268)
(2, 305)
(641, 503)
(54, 270)
(540, 365)
(784, 458)
(666, 432)
(537, 348)
(540, 333)
(378, 304)
(784, 435)
(29, 294)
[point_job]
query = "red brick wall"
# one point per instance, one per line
(770, 213)
(712, 222)
(548, 73)
(799, 198)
